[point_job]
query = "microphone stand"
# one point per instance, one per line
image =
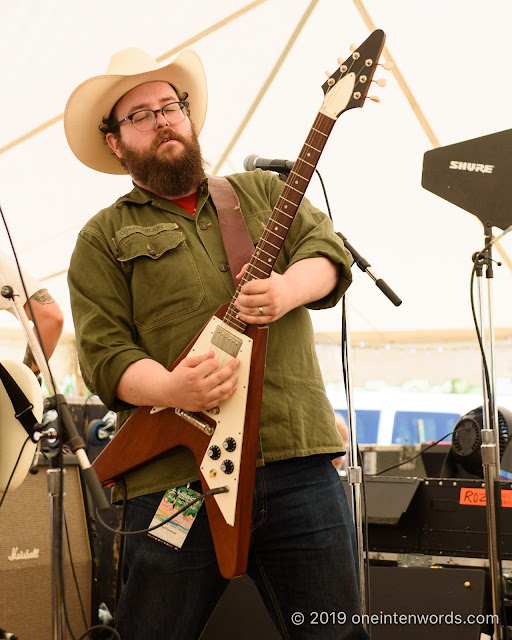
(68, 433)
(490, 436)
(355, 474)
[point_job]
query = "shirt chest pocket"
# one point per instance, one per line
(165, 281)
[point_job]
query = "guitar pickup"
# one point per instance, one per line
(227, 341)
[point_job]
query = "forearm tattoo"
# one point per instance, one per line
(42, 296)
(29, 360)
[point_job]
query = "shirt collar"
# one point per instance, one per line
(141, 196)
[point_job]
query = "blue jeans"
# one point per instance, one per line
(302, 558)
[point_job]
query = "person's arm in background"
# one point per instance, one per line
(47, 314)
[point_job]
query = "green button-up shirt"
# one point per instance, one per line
(146, 276)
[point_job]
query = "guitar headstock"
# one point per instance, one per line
(347, 87)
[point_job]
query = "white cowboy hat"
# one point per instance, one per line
(94, 99)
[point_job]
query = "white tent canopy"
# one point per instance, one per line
(452, 57)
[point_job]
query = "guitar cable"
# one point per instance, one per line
(121, 532)
(399, 464)
(202, 496)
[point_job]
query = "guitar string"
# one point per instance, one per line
(286, 196)
(231, 319)
(315, 140)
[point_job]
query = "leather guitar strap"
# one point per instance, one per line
(21, 405)
(237, 240)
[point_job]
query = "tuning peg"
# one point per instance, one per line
(340, 61)
(374, 98)
(353, 47)
(380, 82)
(386, 65)
(328, 73)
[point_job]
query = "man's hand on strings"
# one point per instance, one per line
(263, 301)
(267, 300)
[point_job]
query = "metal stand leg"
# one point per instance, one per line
(490, 441)
(56, 492)
(355, 472)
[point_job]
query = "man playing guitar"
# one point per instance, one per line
(146, 274)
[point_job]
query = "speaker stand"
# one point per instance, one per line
(490, 433)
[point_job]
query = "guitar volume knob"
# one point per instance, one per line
(227, 466)
(229, 444)
(214, 452)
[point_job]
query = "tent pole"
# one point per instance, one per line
(160, 58)
(265, 86)
(422, 119)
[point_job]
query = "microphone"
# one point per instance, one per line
(5, 634)
(255, 162)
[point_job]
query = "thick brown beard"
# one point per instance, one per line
(171, 177)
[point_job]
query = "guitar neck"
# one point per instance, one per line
(272, 239)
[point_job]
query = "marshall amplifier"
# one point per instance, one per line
(26, 557)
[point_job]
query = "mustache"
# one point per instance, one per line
(167, 135)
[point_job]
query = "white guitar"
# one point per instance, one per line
(12, 434)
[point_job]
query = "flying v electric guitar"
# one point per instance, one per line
(224, 441)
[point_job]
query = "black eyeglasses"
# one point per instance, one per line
(145, 120)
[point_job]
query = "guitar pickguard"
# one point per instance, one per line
(221, 463)
(229, 432)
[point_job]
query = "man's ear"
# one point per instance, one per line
(113, 143)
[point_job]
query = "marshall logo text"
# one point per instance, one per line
(23, 555)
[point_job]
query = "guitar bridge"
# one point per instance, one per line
(197, 420)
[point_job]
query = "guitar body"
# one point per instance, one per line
(151, 432)
(12, 434)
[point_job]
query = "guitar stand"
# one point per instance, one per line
(355, 474)
(69, 434)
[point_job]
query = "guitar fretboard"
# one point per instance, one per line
(272, 239)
